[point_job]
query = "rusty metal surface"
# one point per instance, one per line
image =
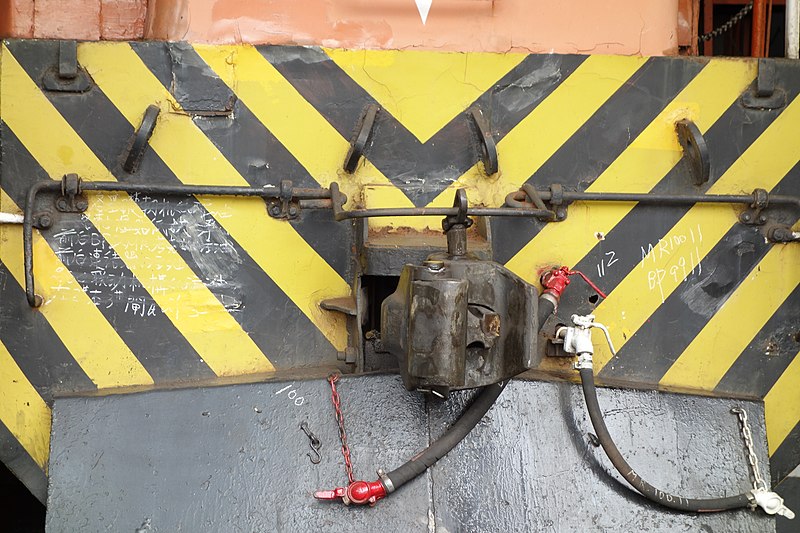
(233, 458)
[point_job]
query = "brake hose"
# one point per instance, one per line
(463, 426)
(679, 503)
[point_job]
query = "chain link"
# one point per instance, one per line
(733, 21)
(752, 459)
(337, 406)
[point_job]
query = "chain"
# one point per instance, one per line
(733, 21)
(752, 459)
(337, 406)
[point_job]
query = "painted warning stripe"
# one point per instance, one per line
(66, 304)
(783, 460)
(205, 247)
(245, 142)
(696, 300)
(767, 355)
(300, 272)
(712, 352)
(704, 99)
(22, 465)
(43, 359)
(204, 322)
(111, 286)
(646, 288)
(616, 254)
(508, 100)
(556, 119)
(782, 406)
(290, 118)
(23, 411)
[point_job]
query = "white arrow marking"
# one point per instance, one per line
(423, 6)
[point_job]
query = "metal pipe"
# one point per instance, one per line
(443, 211)
(308, 198)
(758, 38)
(793, 29)
(518, 198)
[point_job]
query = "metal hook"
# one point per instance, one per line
(314, 443)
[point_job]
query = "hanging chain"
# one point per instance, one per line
(337, 406)
(752, 459)
(733, 21)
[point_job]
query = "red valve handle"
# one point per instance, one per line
(357, 493)
(557, 279)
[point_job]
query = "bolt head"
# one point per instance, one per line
(293, 211)
(81, 204)
(434, 266)
(746, 217)
(762, 219)
(61, 204)
(44, 221)
(275, 210)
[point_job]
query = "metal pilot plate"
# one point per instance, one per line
(233, 458)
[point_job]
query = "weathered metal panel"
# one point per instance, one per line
(233, 458)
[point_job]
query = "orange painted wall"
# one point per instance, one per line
(570, 26)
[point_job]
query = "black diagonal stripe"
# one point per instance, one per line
(601, 140)
(252, 298)
(246, 143)
(664, 336)
(420, 170)
(120, 297)
(22, 465)
(36, 348)
(614, 257)
(786, 458)
(769, 353)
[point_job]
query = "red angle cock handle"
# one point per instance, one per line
(357, 493)
(556, 280)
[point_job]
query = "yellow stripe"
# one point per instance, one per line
(551, 123)
(782, 405)
(638, 169)
(23, 411)
(762, 165)
(712, 352)
(424, 89)
(183, 297)
(95, 346)
(301, 129)
(277, 248)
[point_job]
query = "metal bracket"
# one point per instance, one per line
(71, 199)
(754, 215)
(361, 137)
(284, 207)
(140, 139)
(764, 94)
(67, 76)
(695, 150)
(557, 203)
(488, 146)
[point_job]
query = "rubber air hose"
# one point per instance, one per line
(461, 428)
(679, 503)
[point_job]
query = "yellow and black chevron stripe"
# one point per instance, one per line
(145, 290)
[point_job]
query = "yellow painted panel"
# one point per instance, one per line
(288, 116)
(424, 90)
(782, 405)
(183, 297)
(278, 249)
(95, 346)
(23, 411)
(638, 169)
(551, 123)
(712, 352)
(663, 268)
